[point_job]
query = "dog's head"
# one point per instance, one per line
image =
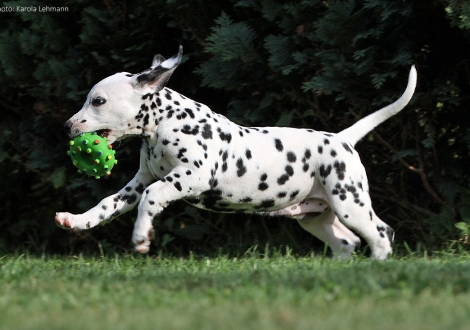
(111, 105)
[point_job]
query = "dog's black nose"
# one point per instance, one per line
(68, 126)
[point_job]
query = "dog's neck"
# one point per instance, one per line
(167, 108)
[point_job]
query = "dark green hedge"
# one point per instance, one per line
(316, 64)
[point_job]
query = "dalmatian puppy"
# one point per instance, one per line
(194, 154)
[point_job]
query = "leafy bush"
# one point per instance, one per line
(311, 64)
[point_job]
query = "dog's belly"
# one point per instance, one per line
(212, 201)
(231, 200)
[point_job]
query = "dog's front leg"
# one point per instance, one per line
(176, 185)
(110, 207)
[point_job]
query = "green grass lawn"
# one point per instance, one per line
(279, 291)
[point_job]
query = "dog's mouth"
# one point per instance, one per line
(104, 133)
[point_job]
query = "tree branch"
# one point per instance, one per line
(402, 203)
(418, 170)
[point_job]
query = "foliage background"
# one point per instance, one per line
(315, 64)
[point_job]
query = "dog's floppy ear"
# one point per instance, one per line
(158, 75)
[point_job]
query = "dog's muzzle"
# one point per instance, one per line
(68, 127)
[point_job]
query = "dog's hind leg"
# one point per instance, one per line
(316, 217)
(355, 211)
(377, 233)
(330, 230)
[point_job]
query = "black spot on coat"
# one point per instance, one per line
(266, 204)
(130, 199)
(291, 157)
(289, 170)
(346, 147)
(178, 186)
(325, 171)
(241, 168)
(190, 131)
(307, 154)
(278, 145)
(293, 195)
(227, 137)
(140, 188)
(263, 186)
(340, 168)
(189, 112)
(207, 132)
(282, 179)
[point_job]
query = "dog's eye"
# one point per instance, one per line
(97, 101)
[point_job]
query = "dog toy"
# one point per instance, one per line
(92, 154)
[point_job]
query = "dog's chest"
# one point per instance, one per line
(157, 162)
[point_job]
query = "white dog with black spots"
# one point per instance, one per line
(192, 153)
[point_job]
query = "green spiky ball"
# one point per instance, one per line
(92, 154)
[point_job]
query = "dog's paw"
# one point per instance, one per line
(142, 243)
(64, 220)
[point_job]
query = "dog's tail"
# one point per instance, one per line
(367, 124)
